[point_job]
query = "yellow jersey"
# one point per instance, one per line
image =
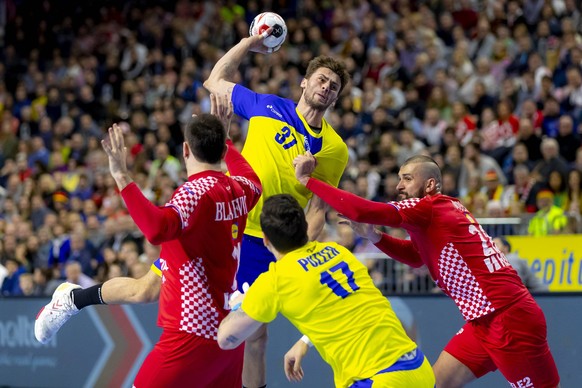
(277, 134)
(328, 295)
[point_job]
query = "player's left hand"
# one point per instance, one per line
(292, 361)
(304, 166)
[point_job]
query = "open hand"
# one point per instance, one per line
(115, 149)
(221, 107)
(292, 361)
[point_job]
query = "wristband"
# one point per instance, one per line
(236, 306)
(305, 339)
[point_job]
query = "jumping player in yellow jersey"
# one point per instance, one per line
(328, 295)
(280, 130)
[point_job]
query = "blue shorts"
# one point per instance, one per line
(412, 370)
(254, 260)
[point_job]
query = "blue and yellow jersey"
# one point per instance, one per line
(328, 295)
(277, 134)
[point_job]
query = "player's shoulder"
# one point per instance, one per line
(446, 200)
(244, 181)
(331, 137)
(197, 186)
(276, 108)
(408, 203)
(201, 181)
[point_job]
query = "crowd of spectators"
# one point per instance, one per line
(491, 89)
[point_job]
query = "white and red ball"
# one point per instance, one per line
(262, 22)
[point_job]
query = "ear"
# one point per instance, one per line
(303, 83)
(431, 185)
(185, 150)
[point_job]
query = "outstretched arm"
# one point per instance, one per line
(350, 205)
(400, 250)
(220, 80)
(123, 290)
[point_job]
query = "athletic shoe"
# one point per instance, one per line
(54, 315)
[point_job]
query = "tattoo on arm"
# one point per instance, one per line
(232, 339)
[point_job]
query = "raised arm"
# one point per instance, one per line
(157, 224)
(237, 165)
(220, 80)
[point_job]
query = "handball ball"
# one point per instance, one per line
(263, 22)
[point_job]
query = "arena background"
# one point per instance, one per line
(74, 54)
(104, 346)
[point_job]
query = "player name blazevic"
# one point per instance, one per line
(226, 211)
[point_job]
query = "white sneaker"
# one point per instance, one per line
(54, 315)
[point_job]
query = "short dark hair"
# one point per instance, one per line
(283, 222)
(206, 138)
(431, 170)
(332, 64)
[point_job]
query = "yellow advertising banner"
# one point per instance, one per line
(557, 260)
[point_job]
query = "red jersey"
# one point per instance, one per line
(464, 129)
(461, 257)
(200, 230)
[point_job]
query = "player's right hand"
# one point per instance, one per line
(366, 231)
(221, 107)
(256, 43)
(304, 166)
(292, 361)
(114, 147)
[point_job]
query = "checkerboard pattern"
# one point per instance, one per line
(405, 203)
(461, 285)
(199, 316)
(246, 182)
(186, 197)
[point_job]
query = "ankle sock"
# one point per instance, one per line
(87, 296)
